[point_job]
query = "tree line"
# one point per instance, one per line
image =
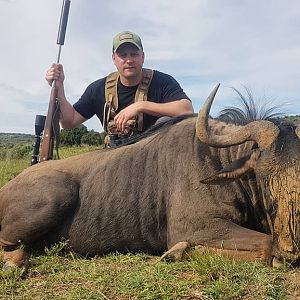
(20, 146)
(81, 135)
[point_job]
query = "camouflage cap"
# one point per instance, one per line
(127, 37)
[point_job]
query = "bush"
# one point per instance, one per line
(21, 151)
(72, 137)
(91, 138)
(3, 152)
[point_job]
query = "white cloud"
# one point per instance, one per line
(199, 42)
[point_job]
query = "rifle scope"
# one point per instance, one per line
(39, 127)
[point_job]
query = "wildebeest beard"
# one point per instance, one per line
(278, 173)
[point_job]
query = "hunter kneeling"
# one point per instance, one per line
(128, 101)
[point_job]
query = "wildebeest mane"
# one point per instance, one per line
(152, 130)
(249, 111)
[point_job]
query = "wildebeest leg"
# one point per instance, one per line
(13, 255)
(177, 252)
(227, 238)
(34, 212)
(16, 258)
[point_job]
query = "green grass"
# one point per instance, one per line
(65, 152)
(11, 168)
(58, 273)
(67, 276)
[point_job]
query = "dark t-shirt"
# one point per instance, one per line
(163, 88)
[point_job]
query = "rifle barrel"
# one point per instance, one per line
(63, 22)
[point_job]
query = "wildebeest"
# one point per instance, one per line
(198, 182)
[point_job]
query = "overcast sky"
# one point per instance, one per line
(253, 43)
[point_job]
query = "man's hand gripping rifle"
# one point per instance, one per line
(51, 128)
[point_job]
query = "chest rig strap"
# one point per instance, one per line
(111, 96)
(142, 94)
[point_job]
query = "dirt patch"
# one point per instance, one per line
(293, 280)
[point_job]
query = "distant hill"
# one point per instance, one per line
(10, 139)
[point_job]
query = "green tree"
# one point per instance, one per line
(91, 138)
(72, 137)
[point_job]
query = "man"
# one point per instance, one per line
(119, 103)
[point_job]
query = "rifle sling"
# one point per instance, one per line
(56, 127)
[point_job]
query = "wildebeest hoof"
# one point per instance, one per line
(177, 252)
(16, 259)
(278, 263)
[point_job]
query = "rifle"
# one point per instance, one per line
(52, 128)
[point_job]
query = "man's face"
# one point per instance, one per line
(128, 60)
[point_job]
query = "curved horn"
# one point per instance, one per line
(263, 132)
(202, 130)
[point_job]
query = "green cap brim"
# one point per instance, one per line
(127, 37)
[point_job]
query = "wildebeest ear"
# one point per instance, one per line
(235, 170)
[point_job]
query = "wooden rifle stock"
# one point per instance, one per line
(52, 128)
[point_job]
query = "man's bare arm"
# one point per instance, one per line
(69, 117)
(171, 109)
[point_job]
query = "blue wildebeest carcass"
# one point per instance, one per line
(198, 182)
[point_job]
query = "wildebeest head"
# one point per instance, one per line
(276, 163)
